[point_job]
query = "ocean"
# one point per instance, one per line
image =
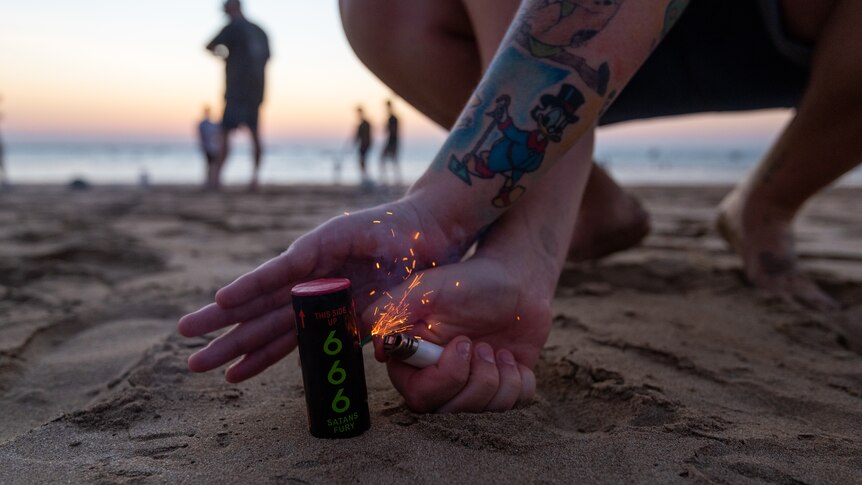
(323, 163)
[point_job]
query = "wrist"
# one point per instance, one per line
(457, 221)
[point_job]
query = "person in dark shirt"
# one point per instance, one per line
(363, 141)
(2, 166)
(390, 151)
(245, 49)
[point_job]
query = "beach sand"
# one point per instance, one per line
(662, 364)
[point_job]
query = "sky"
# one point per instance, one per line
(108, 69)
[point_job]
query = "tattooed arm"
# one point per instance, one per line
(555, 71)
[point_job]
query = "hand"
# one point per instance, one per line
(367, 247)
(495, 320)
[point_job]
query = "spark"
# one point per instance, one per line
(414, 264)
(404, 259)
(433, 264)
(347, 213)
(388, 213)
(377, 264)
(393, 231)
(412, 253)
(416, 237)
(518, 317)
(429, 326)
(427, 293)
(372, 292)
(395, 314)
(457, 284)
(376, 222)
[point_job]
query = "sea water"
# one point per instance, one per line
(288, 163)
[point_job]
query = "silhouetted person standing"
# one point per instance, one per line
(390, 151)
(3, 180)
(363, 141)
(245, 48)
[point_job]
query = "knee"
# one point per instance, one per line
(371, 35)
(387, 33)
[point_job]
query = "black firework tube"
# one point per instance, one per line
(331, 355)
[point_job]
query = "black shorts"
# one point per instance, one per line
(722, 55)
(239, 113)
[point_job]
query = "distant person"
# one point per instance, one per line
(3, 180)
(210, 138)
(363, 142)
(245, 48)
(390, 151)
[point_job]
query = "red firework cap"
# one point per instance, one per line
(323, 286)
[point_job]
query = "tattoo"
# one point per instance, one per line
(507, 149)
(557, 27)
(608, 102)
(672, 14)
(473, 106)
(774, 265)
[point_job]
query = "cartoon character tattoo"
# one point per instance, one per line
(673, 12)
(552, 30)
(516, 151)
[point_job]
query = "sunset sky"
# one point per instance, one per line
(108, 69)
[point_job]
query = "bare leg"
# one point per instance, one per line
(433, 57)
(258, 153)
(362, 170)
(423, 50)
(609, 219)
(819, 145)
(383, 178)
(219, 162)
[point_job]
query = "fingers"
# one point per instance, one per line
(528, 385)
(482, 386)
(256, 362)
(427, 389)
(244, 339)
(296, 263)
(465, 380)
(510, 387)
(213, 317)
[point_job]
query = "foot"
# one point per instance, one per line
(763, 237)
(610, 220)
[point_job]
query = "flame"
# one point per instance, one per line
(395, 315)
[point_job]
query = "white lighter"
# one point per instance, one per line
(411, 350)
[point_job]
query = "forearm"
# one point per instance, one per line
(556, 70)
(536, 232)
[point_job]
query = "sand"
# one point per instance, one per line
(662, 366)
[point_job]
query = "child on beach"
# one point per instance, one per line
(210, 139)
(516, 174)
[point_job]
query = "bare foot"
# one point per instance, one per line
(610, 220)
(763, 238)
